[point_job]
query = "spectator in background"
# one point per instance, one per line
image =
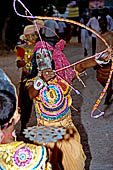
(85, 35)
(62, 29)
(109, 19)
(94, 24)
(104, 70)
(50, 31)
(69, 31)
(24, 53)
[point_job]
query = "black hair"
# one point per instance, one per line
(104, 19)
(53, 64)
(95, 13)
(7, 106)
(105, 11)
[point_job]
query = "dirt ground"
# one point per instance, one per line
(96, 134)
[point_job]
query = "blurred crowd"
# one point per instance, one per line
(56, 30)
(93, 21)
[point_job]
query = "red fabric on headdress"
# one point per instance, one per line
(61, 61)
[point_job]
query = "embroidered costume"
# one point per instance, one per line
(52, 105)
(24, 56)
(25, 53)
(21, 156)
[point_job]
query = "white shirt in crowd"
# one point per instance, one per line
(109, 23)
(94, 24)
(52, 25)
(62, 26)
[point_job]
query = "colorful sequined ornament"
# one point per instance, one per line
(28, 48)
(38, 83)
(53, 103)
(28, 56)
(22, 157)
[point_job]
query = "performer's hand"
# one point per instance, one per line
(48, 74)
(106, 56)
(21, 63)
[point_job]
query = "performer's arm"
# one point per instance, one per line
(102, 58)
(32, 92)
(20, 63)
(40, 82)
(85, 65)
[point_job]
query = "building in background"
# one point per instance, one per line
(96, 3)
(100, 4)
(108, 3)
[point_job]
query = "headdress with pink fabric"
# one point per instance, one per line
(59, 58)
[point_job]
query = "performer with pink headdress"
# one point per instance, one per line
(51, 96)
(50, 92)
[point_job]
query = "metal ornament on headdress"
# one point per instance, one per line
(43, 134)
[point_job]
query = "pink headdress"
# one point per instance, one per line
(61, 61)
